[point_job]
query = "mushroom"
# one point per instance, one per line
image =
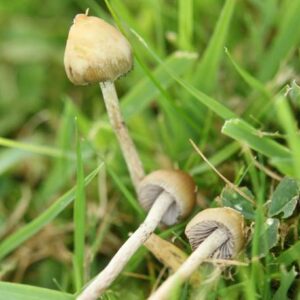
(169, 195)
(214, 232)
(97, 52)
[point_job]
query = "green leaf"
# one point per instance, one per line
(286, 280)
(232, 199)
(14, 291)
(290, 255)
(269, 236)
(285, 198)
(27, 231)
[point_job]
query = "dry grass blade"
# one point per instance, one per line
(168, 254)
(228, 182)
(18, 212)
(266, 170)
(226, 262)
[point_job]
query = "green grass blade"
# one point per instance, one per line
(54, 182)
(185, 24)
(206, 73)
(15, 291)
(165, 100)
(27, 231)
(79, 221)
(214, 105)
(158, 12)
(38, 149)
(253, 83)
(211, 103)
(218, 108)
(287, 279)
(288, 123)
(286, 39)
(127, 195)
(123, 11)
(281, 158)
(154, 10)
(93, 7)
(294, 93)
(145, 91)
(240, 131)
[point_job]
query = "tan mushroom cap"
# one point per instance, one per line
(95, 51)
(178, 184)
(208, 220)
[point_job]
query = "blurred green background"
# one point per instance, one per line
(163, 108)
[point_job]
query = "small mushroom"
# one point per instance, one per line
(214, 232)
(169, 195)
(97, 52)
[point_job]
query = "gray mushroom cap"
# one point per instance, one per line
(208, 220)
(178, 184)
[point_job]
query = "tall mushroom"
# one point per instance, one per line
(214, 232)
(97, 52)
(168, 195)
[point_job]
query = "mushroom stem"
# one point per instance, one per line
(131, 156)
(118, 262)
(205, 250)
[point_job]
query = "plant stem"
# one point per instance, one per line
(206, 249)
(118, 262)
(131, 156)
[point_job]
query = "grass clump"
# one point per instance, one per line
(222, 74)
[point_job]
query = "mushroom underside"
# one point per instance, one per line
(150, 193)
(200, 232)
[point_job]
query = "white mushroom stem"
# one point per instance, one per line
(118, 262)
(205, 249)
(128, 148)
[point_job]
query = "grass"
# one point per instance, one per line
(224, 74)
(79, 218)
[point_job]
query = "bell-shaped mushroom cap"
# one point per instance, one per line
(208, 220)
(178, 184)
(95, 51)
